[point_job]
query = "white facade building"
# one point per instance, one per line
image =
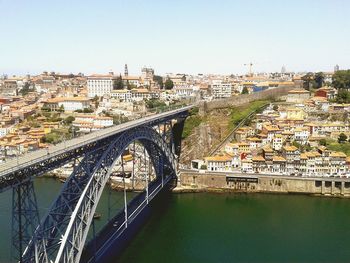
(74, 103)
(277, 142)
(4, 131)
(184, 92)
(221, 90)
(99, 85)
(88, 123)
(122, 95)
(218, 163)
(134, 95)
(301, 135)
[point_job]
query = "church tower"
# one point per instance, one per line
(126, 73)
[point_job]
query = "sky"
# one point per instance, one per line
(179, 36)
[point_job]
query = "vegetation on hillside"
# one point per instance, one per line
(192, 121)
(57, 136)
(334, 145)
(236, 115)
(155, 103)
(239, 113)
(302, 147)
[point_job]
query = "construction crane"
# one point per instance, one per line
(250, 68)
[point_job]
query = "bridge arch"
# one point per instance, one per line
(62, 234)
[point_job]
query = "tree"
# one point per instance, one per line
(61, 108)
(343, 96)
(69, 120)
(342, 138)
(319, 80)
(169, 84)
(118, 83)
(341, 79)
(248, 122)
(323, 142)
(45, 108)
(245, 90)
(130, 86)
(297, 145)
(308, 80)
(96, 100)
(26, 89)
(159, 80)
(88, 110)
(203, 167)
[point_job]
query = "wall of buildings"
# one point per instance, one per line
(194, 181)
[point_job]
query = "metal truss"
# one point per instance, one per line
(108, 237)
(61, 235)
(25, 217)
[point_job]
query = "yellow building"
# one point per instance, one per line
(295, 113)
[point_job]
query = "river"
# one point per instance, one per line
(223, 227)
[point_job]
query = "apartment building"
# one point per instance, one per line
(298, 96)
(89, 123)
(218, 163)
(221, 89)
(99, 85)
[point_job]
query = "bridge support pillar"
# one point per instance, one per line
(25, 217)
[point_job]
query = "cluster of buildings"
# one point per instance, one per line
(208, 87)
(22, 139)
(32, 107)
(285, 139)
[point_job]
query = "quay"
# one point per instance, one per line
(194, 181)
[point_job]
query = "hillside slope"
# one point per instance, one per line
(201, 134)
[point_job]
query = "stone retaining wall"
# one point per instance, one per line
(267, 184)
(243, 99)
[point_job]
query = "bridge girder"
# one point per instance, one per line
(62, 234)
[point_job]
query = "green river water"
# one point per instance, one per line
(222, 227)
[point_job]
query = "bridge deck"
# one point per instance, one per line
(28, 159)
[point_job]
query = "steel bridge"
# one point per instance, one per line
(154, 142)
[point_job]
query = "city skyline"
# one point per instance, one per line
(183, 37)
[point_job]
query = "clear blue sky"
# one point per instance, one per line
(192, 36)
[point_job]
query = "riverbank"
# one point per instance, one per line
(191, 181)
(218, 182)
